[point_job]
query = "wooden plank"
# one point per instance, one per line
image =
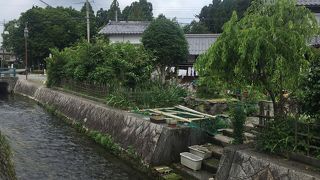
(193, 111)
(170, 115)
(187, 113)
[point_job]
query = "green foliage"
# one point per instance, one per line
(55, 66)
(48, 28)
(100, 62)
(138, 11)
(7, 170)
(166, 40)
(238, 118)
(219, 12)
(267, 49)
(310, 99)
(147, 95)
(102, 17)
(277, 137)
(114, 10)
(209, 88)
(195, 28)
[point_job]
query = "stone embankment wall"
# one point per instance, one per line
(156, 144)
(7, 170)
(9, 82)
(244, 163)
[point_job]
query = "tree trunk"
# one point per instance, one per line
(162, 74)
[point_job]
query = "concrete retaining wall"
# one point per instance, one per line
(241, 162)
(156, 144)
(10, 83)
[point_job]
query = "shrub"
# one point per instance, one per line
(120, 64)
(147, 95)
(310, 98)
(238, 118)
(277, 137)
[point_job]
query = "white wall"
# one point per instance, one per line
(317, 17)
(132, 38)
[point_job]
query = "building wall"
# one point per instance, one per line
(132, 38)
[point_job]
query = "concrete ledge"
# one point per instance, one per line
(156, 144)
(242, 162)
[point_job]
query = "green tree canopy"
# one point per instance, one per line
(93, 20)
(267, 48)
(195, 28)
(48, 27)
(166, 40)
(114, 10)
(219, 12)
(138, 11)
(102, 18)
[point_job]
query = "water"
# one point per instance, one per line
(45, 147)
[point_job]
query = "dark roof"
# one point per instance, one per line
(200, 43)
(308, 2)
(125, 27)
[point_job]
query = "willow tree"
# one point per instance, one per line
(267, 48)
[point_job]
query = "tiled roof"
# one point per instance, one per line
(308, 2)
(200, 43)
(125, 27)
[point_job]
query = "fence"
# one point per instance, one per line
(306, 134)
(7, 72)
(88, 88)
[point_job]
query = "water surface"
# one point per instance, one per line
(46, 147)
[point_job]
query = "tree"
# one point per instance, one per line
(267, 48)
(166, 40)
(311, 89)
(48, 27)
(114, 11)
(93, 20)
(102, 18)
(138, 11)
(195, 28)
(219, 12)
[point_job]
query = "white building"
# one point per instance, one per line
(125, 31)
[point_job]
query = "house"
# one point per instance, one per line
(125, 31)
(131, 31)
(7, 57)
(314, 7)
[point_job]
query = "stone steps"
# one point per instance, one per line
(229, 132)
(222, 140)
(199, 175)
(211, 165)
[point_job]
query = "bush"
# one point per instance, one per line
(277, 137)
(147, 95)
(238, 118)
(120, 64)
(310, 98)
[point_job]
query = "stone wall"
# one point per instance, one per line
(212, 107)
(241, 162)
(10, 81)
(156, 144)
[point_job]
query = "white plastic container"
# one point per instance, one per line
(191, 161)
(200, 151)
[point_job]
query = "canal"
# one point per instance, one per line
(46, 147)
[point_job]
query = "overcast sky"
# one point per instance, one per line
(184, 10)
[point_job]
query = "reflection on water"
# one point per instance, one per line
(45, 147)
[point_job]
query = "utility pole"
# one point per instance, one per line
(88, 21)
(26, 35)
(116, 15)
(3, 56)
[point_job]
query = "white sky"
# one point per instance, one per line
(184, 10)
